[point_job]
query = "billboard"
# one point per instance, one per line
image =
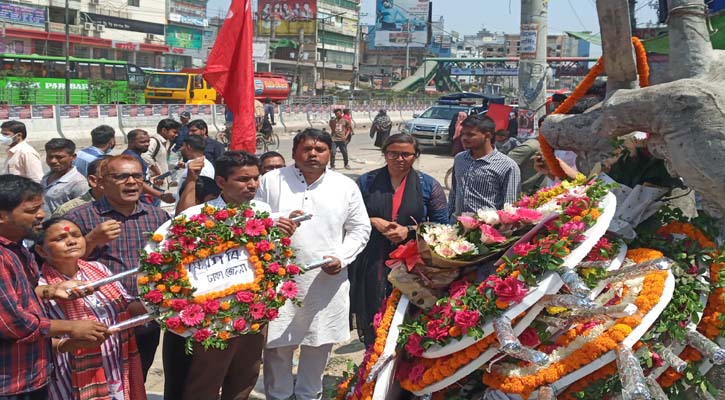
(287, 17)
(399, 23)
(186, 38)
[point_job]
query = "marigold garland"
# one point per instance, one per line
(652, 290)
(642, 69)
(364, 390)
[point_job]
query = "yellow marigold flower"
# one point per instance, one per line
(175, 289)
(143, 280)
(254, 327)
(161, 288)
(157, 237)
(209, 210)
(209, 224)
(157, 277)
(267, 257)
(555, 310)
(223, 335)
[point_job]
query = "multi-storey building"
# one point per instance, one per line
(150, 33)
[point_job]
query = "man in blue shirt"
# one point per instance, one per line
(103, 140)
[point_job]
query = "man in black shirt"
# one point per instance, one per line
(214, 149)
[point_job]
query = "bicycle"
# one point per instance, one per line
(265, 143)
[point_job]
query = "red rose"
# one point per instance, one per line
(529, 337)
(263, 246)
(248, 213)
(458, 289)
(292, 269)
(171, 275)
(414, 346)
(257, 310)
(510, 290)
(245, 297)
(271, 293)
(466, 320)
(443, 310)
(202, 335)
(221, 215)
(285, 241)
(211, 307)
(272, 314)
(154, 296)
(268, 222)
(154, 258)
(435, 331)
(178, 304)
(173, 323)
(177, 230)
(490, 282)
(273, 267)
(240, 325)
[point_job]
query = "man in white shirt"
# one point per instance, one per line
(235, 369)
(192, 149)
(22, 158)
(339, 230)
(157, 155)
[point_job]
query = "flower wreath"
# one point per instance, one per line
(203, 232)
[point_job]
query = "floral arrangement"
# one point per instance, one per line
(486, 232)
(469, 304)
(211, 319)
(605, 250)
(361, 389)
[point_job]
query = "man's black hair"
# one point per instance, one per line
(197, 143)
(132, 135)
(15, 189)
(224, 165)
(102, 135)
(168, 123)
(56, 144)
(314, 134)
(269, 154)
(205, 187)
(93, 166)
(481, 123)
(15, 127)
(199, 124)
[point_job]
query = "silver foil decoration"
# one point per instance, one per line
(546, 393)
(707, 347)
(131, 323)
(567, 301)
(574, 282)
(634, 386)
(638, 270)
(655, 389)
(671, 359)
(375, 370)
(704, 394)
(617, 311)
(510, 345)
(593, 264)
(554, 322)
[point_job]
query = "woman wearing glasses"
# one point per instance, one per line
(397, 198)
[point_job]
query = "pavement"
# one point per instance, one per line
(364, 157)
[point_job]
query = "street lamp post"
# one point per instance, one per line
(67, 56)
(324, 52)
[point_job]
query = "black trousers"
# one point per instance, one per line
(40, 394)
(343, 149)
(147, 340)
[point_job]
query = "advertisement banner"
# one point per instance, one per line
(122, 23)
(287, 17)
(108, 110)
(89, 111)
(42, 112)
(188, 8)
(529, 39)
(400, 23)
(185, 38)
(526, 123)
(25, 15)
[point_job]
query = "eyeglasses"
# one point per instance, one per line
(120, 178)
(394, 155)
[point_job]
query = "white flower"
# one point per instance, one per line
(461, 247)
(489, 216)
(445, 251)
(549, 208)
(429, 238)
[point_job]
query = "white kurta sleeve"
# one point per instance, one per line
(356, 227)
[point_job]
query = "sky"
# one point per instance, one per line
(500, 15)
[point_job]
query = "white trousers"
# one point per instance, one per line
(279, 383)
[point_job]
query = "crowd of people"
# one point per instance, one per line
(90, 215)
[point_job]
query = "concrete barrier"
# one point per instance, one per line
(75, 122)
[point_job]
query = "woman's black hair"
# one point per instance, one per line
(402, 138)
(40, 237)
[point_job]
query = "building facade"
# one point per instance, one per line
(166, 34)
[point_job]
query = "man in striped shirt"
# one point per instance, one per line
(482, 176)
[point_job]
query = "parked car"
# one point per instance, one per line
(431, 127)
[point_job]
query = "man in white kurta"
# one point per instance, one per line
(338, 230)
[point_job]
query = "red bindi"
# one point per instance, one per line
(66, 228)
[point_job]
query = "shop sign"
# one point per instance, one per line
(122, 23)
(25, 15)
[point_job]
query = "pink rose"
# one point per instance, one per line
(272, 314)
(526, 201)
(273, 267)
(248, 213)
(177, 230)
(293, 269)
(656, 360)
(257, 310)
(571, 228)
(239, 325)
(178, 304)
(522, 249)
(468, 222)
(490, 235)
(508, 218)
(491, 282)
(466, 319)
(263, 246)
(285, 241)
(173, 323)
(529, 337)
(154, 296)
(245, 297)
(458, 289)
(237, 231)
(416, 373)
(510, 290)
(211, 307)
(528, 216)
(268, 222)
(154, 258)
(171, 275)
(198, 218)
(271, 293)
(202, 335)
(221, 215)
(435, 331)
(444, 311)
(414, 346)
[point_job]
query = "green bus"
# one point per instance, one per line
(36, 79)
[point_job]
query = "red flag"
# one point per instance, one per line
(230, 71)
(499, 113)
